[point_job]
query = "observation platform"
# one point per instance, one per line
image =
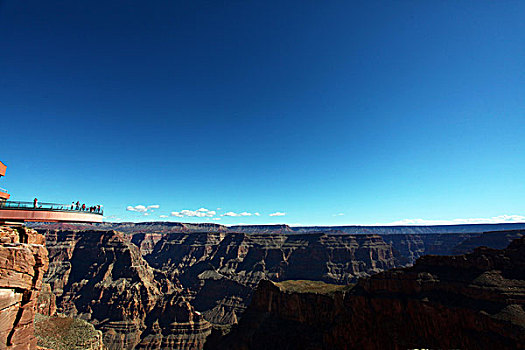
(3, 192)
(18, 212)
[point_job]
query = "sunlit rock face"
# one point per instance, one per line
(473, 301)
(23, 262)
(100, 276)
(145, 241)
(221, 270)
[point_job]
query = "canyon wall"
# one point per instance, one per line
(412, 246)
(101, 277)
(221, 270)
(96, 274)
(150, 289)
(472, 301)
(23, 262)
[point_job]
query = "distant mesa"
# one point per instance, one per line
(16, 212)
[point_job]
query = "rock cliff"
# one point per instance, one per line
(412, 246)
(495, 239)
(100, 276)
(221, 270)
(145, 241)
(473, 301)
(23, 262)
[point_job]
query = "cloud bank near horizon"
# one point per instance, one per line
(500, 219)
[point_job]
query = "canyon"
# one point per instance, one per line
(152, 285)
(472, 301)
(101, 277)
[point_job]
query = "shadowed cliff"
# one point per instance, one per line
(473, 301)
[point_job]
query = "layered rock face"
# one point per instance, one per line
(221, 270)
(23, 262)
(412, 246)
(101, 277)
(495, 239)
(473, 301)
(145, 241)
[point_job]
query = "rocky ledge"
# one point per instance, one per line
(23, 262)
(472, 301)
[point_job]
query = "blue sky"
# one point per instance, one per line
(330, 113)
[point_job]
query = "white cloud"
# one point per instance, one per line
(142, 208)
(244, 213)
(278, 213)
(139, 208)
(146, 214)
(492, 220)
(163, 216)
(216, 218)
(200, 213)
(339, 214)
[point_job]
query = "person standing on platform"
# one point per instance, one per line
(35, 202)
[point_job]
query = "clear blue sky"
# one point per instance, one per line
(376, 111)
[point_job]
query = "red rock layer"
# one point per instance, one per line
(23, 262)
(472, 301)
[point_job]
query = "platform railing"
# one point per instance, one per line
(48, 206)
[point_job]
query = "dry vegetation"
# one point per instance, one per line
(305, 286)
(64, 333)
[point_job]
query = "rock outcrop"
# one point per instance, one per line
(473, 301)
(46, 302)
(23, 262)
(101, 277)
